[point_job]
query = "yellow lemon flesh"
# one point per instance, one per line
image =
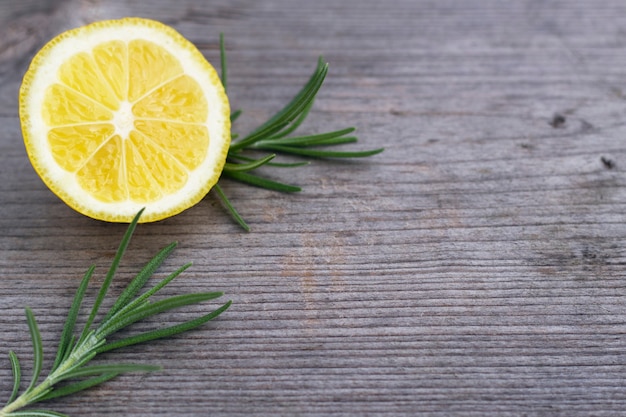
(124, 114)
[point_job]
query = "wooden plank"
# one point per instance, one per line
(476, 267)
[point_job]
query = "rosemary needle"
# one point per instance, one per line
(273, 136)
(71, 371)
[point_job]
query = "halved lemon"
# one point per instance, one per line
(124, 114)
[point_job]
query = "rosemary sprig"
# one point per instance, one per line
(273, 136)
(70, 372)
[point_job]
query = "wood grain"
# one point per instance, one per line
(476, 267)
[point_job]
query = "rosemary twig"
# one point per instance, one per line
(274, 136)
(70, 372)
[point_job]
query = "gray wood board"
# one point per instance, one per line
(476, 267)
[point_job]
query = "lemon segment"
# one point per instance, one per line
(112, 60)
(103, 175)
(81, 74)
(72, 146)
(124, 114)
(180, 99)
(63, 106)
(165, 171)
(149, 66)
(186, 142)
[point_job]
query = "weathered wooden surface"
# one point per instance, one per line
(474, 268)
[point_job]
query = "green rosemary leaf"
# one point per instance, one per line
(223, 61)
(109, 277)
(17, 375)
(230, 208)
(315, 142)
(117, 368)
(78, 386)
(224, 77)
(323, 153)
(140, 280)
(262, 182)
(240, 157)
(37, 347)
(230, 167)
(167, 332)
(36, 413)
(69, 349)
(65, 345)
(289, 164)
(148, 310)
(310, 140)
(234, 116)
(296, 123)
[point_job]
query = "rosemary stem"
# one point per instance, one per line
(27, 397)
(81, 352)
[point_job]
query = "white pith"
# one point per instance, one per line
(124, 120)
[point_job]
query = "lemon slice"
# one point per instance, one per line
(124, 114)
